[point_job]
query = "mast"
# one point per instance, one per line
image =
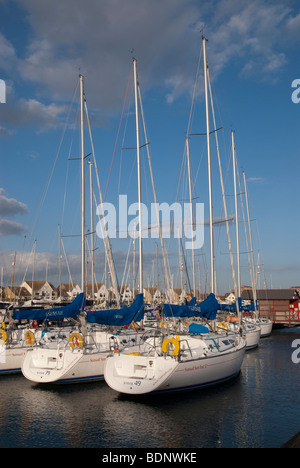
(92, 229)
(191, 213)
(252, 268)
(33, 268)
(236, 218)
(108, 254)
(82, 185)
(13, 274)
(157, 274)
(133, 264)
(212, 260)
(139, 177)
(59, 260)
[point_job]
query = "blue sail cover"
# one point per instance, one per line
(233, 308)
(192, 302)
(251, 307)
(207, 308)
(230, 307)
(119, 317)
(56, 313)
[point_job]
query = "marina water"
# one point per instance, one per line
(260, 408)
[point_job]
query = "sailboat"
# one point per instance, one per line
(177, 361)
(264, 323)
(81, 356)
(251, 331)
(17, 339)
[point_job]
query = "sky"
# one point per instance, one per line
(253, 57)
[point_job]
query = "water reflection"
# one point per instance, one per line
(260, 408)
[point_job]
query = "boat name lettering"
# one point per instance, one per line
(190, 369)
(54, 313)
(130, 382)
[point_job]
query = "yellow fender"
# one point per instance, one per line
(29, 338)
(163, 325)
(174, 342)
(135, 325)
(76, 340)
(3, 336)
(222, 325)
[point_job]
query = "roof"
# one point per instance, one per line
(17, 291)
(271, 294)
(67, 286)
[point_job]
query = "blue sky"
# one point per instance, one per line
(253, 55)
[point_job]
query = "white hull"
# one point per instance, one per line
(250, 331)
(12, 354)
(11, 359)
(252, 336)
(144, 374)
(60, 363)
(265, 325)
(69, 366)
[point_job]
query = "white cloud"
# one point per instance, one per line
(256, 179)
(29, 112)
(9, 228)
(248, 32)
(10, 206)
(7, 53)
(98, 38)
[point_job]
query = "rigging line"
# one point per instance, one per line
(123, 144)
(114, 153)
(183, 162)
(67, 263)
(65, 192)
(125, 267)
(106, 239)
(53, 167)
(188, 126)
(67, 171)
(29, 260)
(245, 228)
(192, 103)
(189, 123)
(194, 91)
(222, 186)
(153, 189)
